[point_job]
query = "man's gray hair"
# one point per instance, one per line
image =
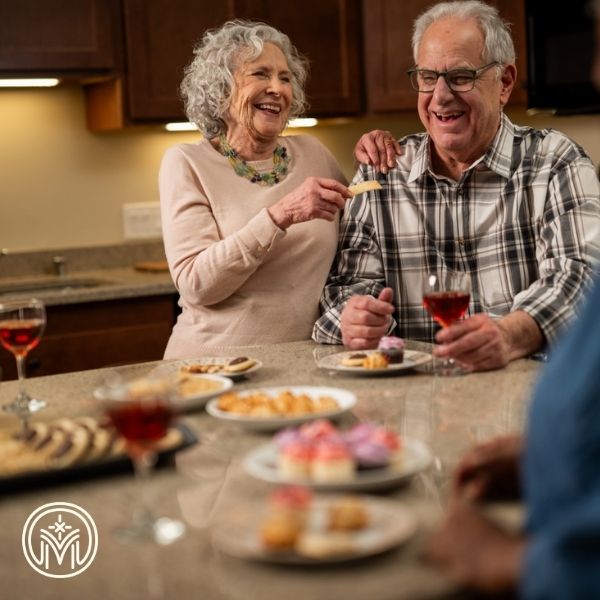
(209, 79)
(498, 43)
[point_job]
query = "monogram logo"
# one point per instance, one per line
(60, 540)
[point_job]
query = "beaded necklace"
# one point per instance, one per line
(281, 161)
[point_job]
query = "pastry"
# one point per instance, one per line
(280, 531)
(392, 348)
(375, 360)
(349, 513)
(323, 544)
(239, 364)
(354, 360)
(295, 461)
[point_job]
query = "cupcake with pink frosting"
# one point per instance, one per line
(295, 460)
(332, 462)
(392, 348)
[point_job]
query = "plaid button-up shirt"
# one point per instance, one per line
(523, 220)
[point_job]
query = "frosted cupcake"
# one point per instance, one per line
(295, 461)
(392, 348)
(332, 462)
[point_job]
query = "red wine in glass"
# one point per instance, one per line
(22, 323)
(21, 336)
(141, 411)
(446, 307)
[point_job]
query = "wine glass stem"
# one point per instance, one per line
(22, 398)
(143, 463)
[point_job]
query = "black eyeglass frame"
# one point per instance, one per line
(475, 74)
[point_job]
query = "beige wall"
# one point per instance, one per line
(62, 186)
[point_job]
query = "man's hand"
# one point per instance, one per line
(366, 319)
(474, 552)
(490, 471)
(482, 343)
(378, 148)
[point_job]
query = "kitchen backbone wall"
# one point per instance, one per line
(62, 186)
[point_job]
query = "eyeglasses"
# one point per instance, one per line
(458, 80)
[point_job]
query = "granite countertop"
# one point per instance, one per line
(208, 481)
(90, 274)
(88, 286)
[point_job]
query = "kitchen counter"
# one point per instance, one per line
(88, 286)
(207, 480)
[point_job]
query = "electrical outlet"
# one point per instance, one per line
(141, 220)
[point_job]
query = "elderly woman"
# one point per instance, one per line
(250, 218)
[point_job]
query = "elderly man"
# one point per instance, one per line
(516, 208)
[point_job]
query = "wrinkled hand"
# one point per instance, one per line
(490, 471)
(474, 552)
(378, 148)
(316, 198)
(366, 319)
(478, 342)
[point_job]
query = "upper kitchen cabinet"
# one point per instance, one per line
(329, 34)
(160, 35)
(76, 38)
(387, 27)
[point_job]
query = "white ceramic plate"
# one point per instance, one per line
(412, 359)
(390, 524)
(262, 464)
(344, 398)
(198, 400)
(174, 367)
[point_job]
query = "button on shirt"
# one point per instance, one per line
(523, 220)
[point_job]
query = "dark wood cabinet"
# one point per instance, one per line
(387, 26)
(99, 334)
(62, 37)
(160, 35)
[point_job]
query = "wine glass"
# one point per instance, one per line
(446, 297)
(22, 323)
(141, 411)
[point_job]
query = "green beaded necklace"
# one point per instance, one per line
(281, 161)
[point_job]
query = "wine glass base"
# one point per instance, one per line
(162, 531)
(448, 368)
(31, 405)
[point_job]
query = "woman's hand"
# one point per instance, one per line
(490, 471)
(378, 148)
(316, 198)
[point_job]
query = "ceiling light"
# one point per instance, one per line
(187, 126)
(303, 122)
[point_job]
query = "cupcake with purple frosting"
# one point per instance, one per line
(392, 348)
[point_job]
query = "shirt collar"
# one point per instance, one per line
(498, 157)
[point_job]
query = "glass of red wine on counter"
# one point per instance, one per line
(446, 297)
(22, 323)
(141, 411)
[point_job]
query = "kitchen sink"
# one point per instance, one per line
(50, 285)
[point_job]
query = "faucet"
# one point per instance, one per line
(60, 265)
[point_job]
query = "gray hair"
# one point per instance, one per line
(498, 43)
(209, 79)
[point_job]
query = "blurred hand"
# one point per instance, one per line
(366, 319)
(490, 471)
(378, 148)
(478, 342)
(316, 198)
(474, 552)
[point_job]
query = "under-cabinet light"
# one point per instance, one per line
(21, 83)
(304, 122)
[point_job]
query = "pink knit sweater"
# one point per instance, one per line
(242, 280)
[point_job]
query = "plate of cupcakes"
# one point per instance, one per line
(366, 457)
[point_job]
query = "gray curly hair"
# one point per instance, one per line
(208, 82)
(498, 43)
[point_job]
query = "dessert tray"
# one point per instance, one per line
(70, 449)
(412, 359)
(262, 464)
(390, 524)
(344, 399)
